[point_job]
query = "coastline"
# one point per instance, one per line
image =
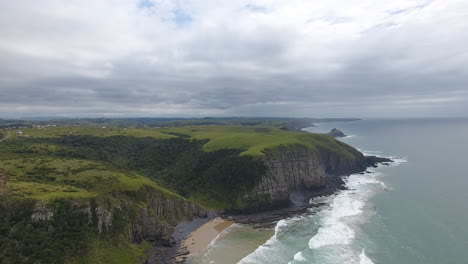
(200, 239)
(193, 237)
(200, 236)
(167, 253)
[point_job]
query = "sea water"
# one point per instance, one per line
(413, 211)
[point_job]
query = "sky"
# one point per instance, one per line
(195, 58)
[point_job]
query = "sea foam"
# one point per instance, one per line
(338, 224)
(334, 228)
(363, 259)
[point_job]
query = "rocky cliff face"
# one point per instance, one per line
(156, 222)
(153, 222)
(301, 168)
(287, 170)
(342, 161)
(78, 229)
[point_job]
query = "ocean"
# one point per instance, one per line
(413, 211)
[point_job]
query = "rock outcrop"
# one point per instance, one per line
(154, 222)
(42, 213)
(336, 133)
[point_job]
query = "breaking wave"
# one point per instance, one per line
(330, 235)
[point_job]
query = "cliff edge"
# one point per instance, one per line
(299, 168)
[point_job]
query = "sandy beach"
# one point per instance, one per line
(199, 240)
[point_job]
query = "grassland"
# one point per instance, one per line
(51, 178)
(253, 140)
(60, 131)
(73, 162)
(34, 173)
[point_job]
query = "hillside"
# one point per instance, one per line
(119, 187)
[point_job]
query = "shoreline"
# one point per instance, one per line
(167, 253)
(192, 238)
(199, 240)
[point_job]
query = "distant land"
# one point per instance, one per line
(285, 123)
(113, 190)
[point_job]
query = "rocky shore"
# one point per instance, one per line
(299, 205)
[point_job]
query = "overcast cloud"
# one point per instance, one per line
(301, 58)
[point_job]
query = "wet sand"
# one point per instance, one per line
(199, 240)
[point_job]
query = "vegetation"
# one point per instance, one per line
(293, 124)
(27, 241)
(70, 236)
(70, 168)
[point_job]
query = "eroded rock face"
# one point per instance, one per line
(335, 164)
(300, 168)
(157, 221)
(104, 217)
(290, 169)
(153, 222)
(42, 213)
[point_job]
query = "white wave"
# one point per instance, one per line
(220, 234)
(299, 257)
(264, 251)
(397, 160)
(371, 152)
(320, 199)
(333, 234)
(385, 187)
(336, 228)
(357, 181)
(280, 226)
(363, 259)
(337, 223)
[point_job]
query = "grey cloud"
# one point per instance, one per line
(410, 63)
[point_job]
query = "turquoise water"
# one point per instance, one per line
(415, 211)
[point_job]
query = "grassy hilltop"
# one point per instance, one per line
(254, 140)
(82, 162)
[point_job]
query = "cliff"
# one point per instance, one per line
(299, 168)
(85, 231)
(288, 169)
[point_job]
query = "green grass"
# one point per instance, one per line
(254, 140)
(60, 131)
(45, 192)
(51, 178)
(37, 173)
(108, 254)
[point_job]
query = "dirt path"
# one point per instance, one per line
(6, 137)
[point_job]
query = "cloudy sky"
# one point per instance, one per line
(301, 58)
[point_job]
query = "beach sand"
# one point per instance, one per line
(199, 240)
